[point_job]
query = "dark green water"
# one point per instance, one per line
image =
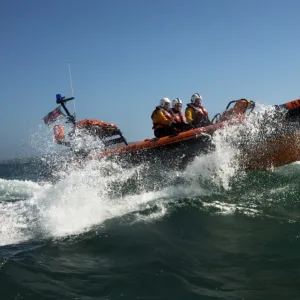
(136, 235)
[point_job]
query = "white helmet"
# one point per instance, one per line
(176, 101)
(163, 101)
(195, 96)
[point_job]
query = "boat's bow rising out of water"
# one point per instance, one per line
(276, 142)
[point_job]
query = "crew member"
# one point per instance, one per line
(196, 115)
(163, 119)
(179, 118)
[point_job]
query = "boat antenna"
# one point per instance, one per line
(71, 84)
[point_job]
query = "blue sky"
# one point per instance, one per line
(126, 55)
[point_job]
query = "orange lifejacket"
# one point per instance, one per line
(200, 113)
(59, 133)
(166, 114)
(178, 116)
(198, 109)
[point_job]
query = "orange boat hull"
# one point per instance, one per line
(274, 153)
(267, 152)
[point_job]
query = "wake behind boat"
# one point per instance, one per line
(269, 149)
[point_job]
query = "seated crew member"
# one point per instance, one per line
(181, 123)
(196, 115)
(238, 109)
(162, 118)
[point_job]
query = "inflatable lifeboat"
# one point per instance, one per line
(180, 148)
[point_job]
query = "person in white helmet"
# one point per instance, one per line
(176, 111)
(163, 119)
(196, 115)
(179, 118)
